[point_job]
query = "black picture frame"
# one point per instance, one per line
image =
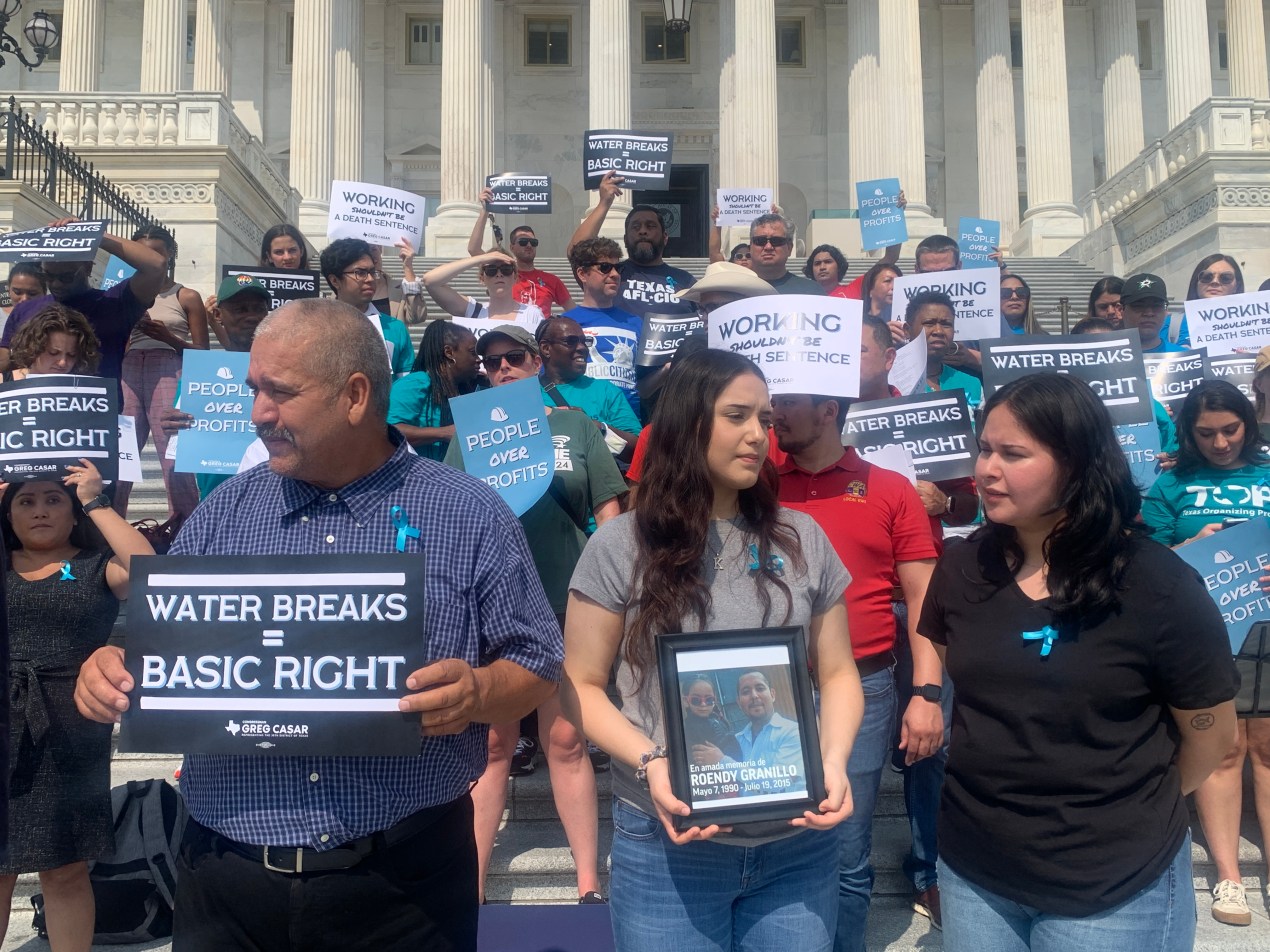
(742, 786)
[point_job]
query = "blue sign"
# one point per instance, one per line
(117, 272)
(505, 441)
(214, 391)
(1140, 443)
(882, 222)
(978, 238)
(1231, 563)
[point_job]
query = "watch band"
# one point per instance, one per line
(929, 692)
(98, 503)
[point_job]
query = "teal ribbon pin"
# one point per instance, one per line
(66, 573)
(775, 562)
(1046, 636)
(404, 529)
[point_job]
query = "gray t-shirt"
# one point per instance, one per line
(606, 571)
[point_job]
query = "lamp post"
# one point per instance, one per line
(40, 31)
(678, 15)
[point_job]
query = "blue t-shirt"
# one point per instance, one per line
(1165, 346)
(601, 400)
(612, 338)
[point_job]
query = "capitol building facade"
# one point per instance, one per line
(1132, 134)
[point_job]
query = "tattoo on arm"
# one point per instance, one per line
(1202, 722)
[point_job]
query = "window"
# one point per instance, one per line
(288, 39)
(1016, 44)
(1146, 51)
(1223, 48)
(55, 54)
(660, 46)
(425, 42)
(547, 41)
(790, 42)
(190, 27)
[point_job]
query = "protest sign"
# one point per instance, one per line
(978, 238)
(505, 440)
(740, 206)
(480, 326)
(908, 373)
(1231, 563)
(5, 299)
(305, 655)
(882, 221)
(1110, 363)
(375, 213)
(1232, 323)
(129, 455)
(1173, 376)
(804, 343)
(519, 194)
(117, 271)
(642, 159)
(1237, 369)
(283, 286)
(50, 420)
(976, 296)
(76, 241)
(661, 335)
(1140, 443)
(936, 429)
(214, 391)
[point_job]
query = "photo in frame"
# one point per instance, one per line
(741, 736)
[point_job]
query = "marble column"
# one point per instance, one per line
(755, 142)
(312, 114)
(1246, 41)
(1051, 224)
(349, 136)
(467, 122)
(1187, 64)
(211, 46)
(609, 90)
(867, 115)
(994, 117)
(162, 45)
(80, 69)
(901, 47)
(1121, 84)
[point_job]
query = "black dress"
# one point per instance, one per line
(59, 778)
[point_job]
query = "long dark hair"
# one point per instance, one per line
(1219, 396)
(1088, 552)
(838, 258)
(280, 231)
(871, 278)
(1108, 285)
(1192, 289)
(432, 360)
(672, 512)
(84, 534)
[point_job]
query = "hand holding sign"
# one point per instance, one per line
(103, 686)
(447, 698)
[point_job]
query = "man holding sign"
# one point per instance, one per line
(340, 480)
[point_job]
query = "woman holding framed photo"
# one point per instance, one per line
(707, 548)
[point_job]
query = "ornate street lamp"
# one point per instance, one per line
(678, 15)
(40, 31)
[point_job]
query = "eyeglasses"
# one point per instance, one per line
(1023, 294)
(506, 270)
(362, 274)
(514, 357)
(776, 241)
(604, 267)
(1223, 278)
(701, 701)
(530, 242)
(741, 256)
(573, 341)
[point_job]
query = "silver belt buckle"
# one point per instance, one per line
(299, 862)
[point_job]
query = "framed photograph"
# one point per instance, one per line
(741, 736)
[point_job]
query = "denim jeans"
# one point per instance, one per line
(1160, 918)
(864, 770)
(711, 897)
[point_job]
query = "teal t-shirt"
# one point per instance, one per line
(951, 378)
(1178, 506)
(1164, 423)
(411, 404)
(602, 401)
(403, 351)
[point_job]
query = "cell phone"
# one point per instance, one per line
(1227, 523)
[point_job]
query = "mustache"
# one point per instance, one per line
(267, 431)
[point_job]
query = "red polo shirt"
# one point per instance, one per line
(874, 519)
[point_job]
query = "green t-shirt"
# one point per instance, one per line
(403, 351)
(410, 403)
(602, 401)
(1178, 506)
(1164, 423)
(586, 477)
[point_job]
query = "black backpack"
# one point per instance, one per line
(135, 887)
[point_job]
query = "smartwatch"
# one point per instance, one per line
(929, 692)
(98, 503)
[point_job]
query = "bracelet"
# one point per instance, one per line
(657, 753)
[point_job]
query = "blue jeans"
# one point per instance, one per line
(1161, 918)
(711, 897)
(864, 770)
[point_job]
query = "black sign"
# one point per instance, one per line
(77, 241)
(1236, 369)
(519, 194)
(55, 419)
(275, 655)
(5, 300)
(936, 429)
(642, 159)
(1173, 376)
(661, 335)
(1110, 363)
(283, 285)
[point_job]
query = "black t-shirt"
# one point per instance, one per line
(652, 287)
(1062, 790)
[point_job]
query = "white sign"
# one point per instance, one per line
(480, 326)
(976, 296)
(803, 343)
(908, 373)
(1227, 325)
(740, 206)
(375, 213)
(129, 456)
(894, 457)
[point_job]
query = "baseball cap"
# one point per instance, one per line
(514, 331)
(729, 278)
(1144, 287)
(237, 284)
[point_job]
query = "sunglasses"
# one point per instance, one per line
(530, 242)
(506, 270)
(741, 256)
(1223, 278)
(604, 267)
(701, 701)
(776, 241)
(573, 341)
(514, 357)
(1023, 294)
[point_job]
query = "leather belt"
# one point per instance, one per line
(874, 663)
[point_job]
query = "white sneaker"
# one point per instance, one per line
(1230, 905)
